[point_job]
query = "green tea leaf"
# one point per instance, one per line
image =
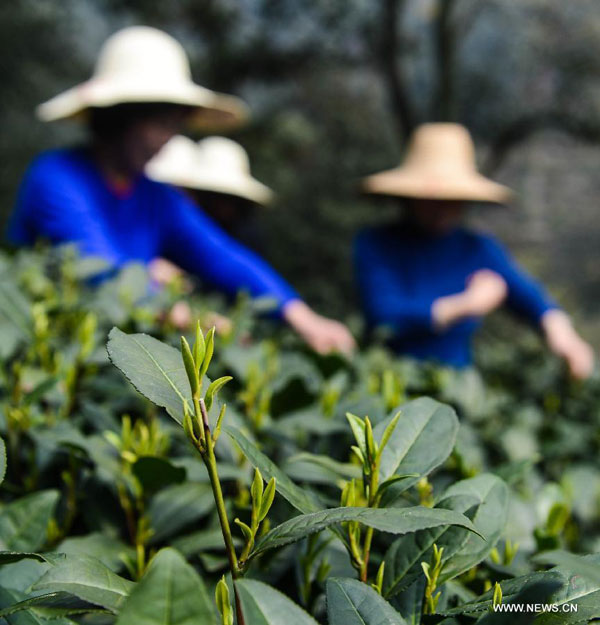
(263, 605)
(392, 520)
(170, 593)
(156, 473)
(559, 586)
(23, 523)
(51, 605)
(88, 579)
(491, 499)
(214, 388)
(421, 441)
(350, 602)
(155, 370)
(8, 557)
(296, 496)
(190, 366)
(320, 469)
(110, 551)
(358, 429)
(176, 506)
(484, 500)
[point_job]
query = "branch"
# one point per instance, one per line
(444, 105)
(525, 127)
(403, 113)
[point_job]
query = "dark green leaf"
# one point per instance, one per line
(490, 495)
(156, 370)
(392, 520)
(24, 522)
(263, 605)
(156, 473)
(174, 507)
(170, 593)
(350, 602)
(88, 579)
(422, 440)
(299, 498)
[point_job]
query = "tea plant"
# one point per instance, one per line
(148, 501)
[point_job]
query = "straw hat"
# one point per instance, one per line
(213, 164)
(143, 64)
(439, 165)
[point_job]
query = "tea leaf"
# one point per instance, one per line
(153, 368)
(491, 498)
(424, 441)
(574, 582)
(264, 605)
(350, 602)
(55, 604)
(170, 593)
(199, 345)
(88, 579)
(23, 523)
(214, 388)
(190, 366)
(298, 497)
(156, 473)
(483, 499)
(208, 353)
(267, 501)
(392, 520)
(358, 429)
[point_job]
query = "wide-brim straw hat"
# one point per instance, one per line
(214, 164)
(439, 165)
(140, 64)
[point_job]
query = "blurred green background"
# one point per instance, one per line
(335, 86)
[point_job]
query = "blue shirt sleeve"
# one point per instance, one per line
(50, 204)
(197, 244)
(526, 297)
(382, 297)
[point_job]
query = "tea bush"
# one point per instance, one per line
(235, 477)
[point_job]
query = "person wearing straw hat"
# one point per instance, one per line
(430, 280)
(141, 95)
(215, 172)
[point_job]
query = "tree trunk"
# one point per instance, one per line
(404, 116)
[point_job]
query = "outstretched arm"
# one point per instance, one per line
(196, 243)
(564, 341)
(528, 298)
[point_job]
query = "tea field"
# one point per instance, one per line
(238, 478)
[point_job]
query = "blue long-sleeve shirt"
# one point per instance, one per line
(401, 272)
(64, 198)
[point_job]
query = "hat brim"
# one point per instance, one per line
(214, 111)
(404, 182)
(247, 188)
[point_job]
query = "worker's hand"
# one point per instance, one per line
(563, 340)
(223, 325)
(163, 272)
(180, 315)
(322, 334)
(485, 291)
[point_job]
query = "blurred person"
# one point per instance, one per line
(430, 280)
(215, 173)
(140, 96)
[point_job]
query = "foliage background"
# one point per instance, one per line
(335, 85)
